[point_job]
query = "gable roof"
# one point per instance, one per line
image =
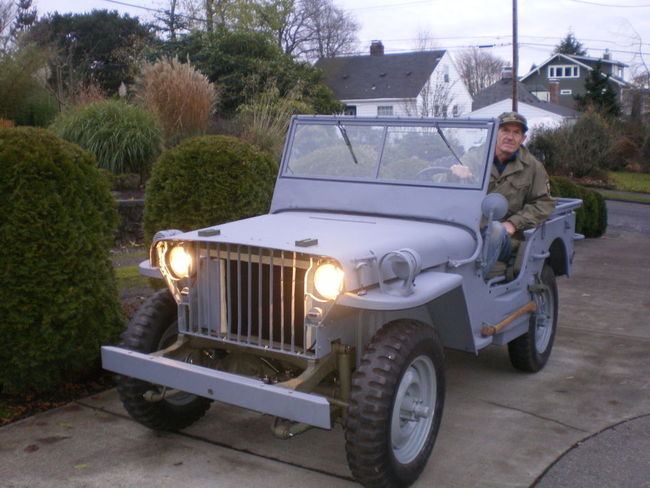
(502, 90)
(580, 61)
(380, 76)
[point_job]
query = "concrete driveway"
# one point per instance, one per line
(501, 428)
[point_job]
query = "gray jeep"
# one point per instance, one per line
(336, 306)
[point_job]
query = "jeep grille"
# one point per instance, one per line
(249, 296)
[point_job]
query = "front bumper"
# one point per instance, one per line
(218, 385)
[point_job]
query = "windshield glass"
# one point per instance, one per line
(427, 154)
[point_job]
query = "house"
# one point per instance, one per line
(561, 77)
(497, 98)
(424, 83)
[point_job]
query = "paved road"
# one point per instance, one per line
(628, 217)
(500, 429)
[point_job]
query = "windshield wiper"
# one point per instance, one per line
(444, 139)
(344, 133)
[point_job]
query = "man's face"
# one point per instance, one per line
(509, 138)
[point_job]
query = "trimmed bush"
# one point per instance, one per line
(124, 138)
(205, 181)
(58, 302)
(591, 218)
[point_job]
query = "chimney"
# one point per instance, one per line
(554, 92)
(506, 73)
(376, 48)
(606, 55)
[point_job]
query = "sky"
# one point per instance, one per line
(616, 25)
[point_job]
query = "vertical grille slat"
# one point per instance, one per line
(250, 296)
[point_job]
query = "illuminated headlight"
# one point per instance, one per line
(179, 262)
(328, 280)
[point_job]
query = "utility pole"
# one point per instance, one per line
(515, 56)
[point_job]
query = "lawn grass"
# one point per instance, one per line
(634, 182)
(128, 277)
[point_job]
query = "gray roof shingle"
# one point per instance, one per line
(502, 90)
(381, 76)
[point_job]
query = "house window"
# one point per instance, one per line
(350, 110)
(563, 71)
(455, 111)
(542, 96)
(566, 92)
(385, 110)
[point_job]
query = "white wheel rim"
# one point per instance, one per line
(543, 320)
(413, 410)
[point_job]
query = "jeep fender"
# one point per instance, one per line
(440, 294)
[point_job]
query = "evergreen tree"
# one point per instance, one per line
(600, 94)
(25, 18)
(570, 45)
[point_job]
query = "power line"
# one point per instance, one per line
(609, 5)
(389, 5)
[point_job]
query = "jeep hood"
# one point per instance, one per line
(344, 237)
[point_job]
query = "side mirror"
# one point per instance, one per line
(494, 206)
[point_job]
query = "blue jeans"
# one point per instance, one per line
(498, 244)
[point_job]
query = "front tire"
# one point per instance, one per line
(153, 328)
(530, 352)
(396, 405)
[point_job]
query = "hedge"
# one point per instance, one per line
(205, 181)
(58, 302)
(591, 217)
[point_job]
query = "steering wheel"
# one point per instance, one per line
(430, 171)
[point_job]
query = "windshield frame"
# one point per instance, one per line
(343, 123)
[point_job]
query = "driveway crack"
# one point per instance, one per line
(541, 417)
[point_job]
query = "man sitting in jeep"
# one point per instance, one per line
(522, 179)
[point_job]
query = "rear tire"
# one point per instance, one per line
(153, 328)
(396, 405)
(530, 352)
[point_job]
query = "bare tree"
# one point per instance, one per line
(435, 99)
(308, 28)
(333, 31)
(7, 15)
(478, 69)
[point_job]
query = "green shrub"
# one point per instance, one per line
(591, 217)
(205, 181)
(39, 109)
(582, 149)
(265, 117)
(58, 302)
(124, 138)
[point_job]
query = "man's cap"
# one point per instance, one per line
(507, 117)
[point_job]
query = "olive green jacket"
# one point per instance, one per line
(524, 182)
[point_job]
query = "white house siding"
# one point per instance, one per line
(537, 117)
(458, 96)
(368, 108)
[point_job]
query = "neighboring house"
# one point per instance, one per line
(561, 77)
(497, 98)
(422, 83)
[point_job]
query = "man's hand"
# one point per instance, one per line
(510, 228)
(462, 172)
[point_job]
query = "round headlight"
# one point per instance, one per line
(328, 280)
(179, 261)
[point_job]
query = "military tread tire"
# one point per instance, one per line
(401, 375)
(153, 328)
(530, 352)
